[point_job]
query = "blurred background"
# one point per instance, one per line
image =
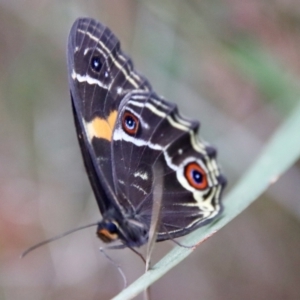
(234, 65)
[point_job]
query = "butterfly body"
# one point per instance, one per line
(125, 131)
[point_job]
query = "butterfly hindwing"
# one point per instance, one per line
(163, 136)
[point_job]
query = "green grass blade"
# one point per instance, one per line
(280, 153)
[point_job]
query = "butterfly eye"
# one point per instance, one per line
(96, 63)
(196, 176)
(112, 227)
(130, 123)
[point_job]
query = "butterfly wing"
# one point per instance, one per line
(100, 75)
(109, 98)
(192, 182)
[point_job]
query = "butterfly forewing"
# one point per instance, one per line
(96, 95)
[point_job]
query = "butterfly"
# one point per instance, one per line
(127, 132)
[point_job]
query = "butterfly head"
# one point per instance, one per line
(108, 231)
(130, 231)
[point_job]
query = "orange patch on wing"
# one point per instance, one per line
(102, 128)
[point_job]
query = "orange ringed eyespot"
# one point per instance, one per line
(130, 123)
(195, 176)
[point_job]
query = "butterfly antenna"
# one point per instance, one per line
(56, 238)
